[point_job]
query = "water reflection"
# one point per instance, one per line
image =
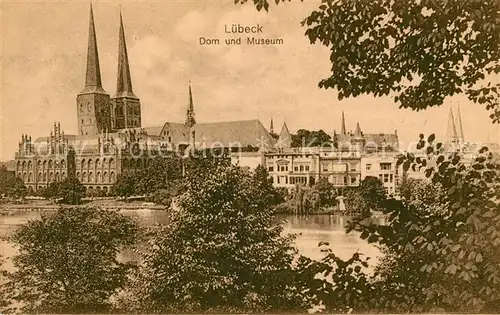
(310, 229)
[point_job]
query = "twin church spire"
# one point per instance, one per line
(93, 74)
(97, 113)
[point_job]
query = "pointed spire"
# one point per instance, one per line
(93, 75)
(357, 132)
(190, 121)
(285, 139)
(452, 131)
(124, 81)
(271, 127)
(460, 132)
(342, 128)
(191, 105)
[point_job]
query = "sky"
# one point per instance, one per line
(44, 46)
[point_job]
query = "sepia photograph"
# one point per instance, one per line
(250, 156)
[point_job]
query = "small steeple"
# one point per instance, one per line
(342, 128)
(271, 127)
(452, 131)
(460, 132)
(93, 75)
(124, 81)
(357, 132)
(190, 120)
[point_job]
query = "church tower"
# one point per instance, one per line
(125, 106)
(93, 101)
(190, 120)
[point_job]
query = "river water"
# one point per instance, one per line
(311, 230)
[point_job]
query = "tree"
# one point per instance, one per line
(441, 245)
(417, 51)
(69, 191)
(326, 191)
(125, 185)
(267, 194)
(67, 262)
(160, 174)
(18, 190)
(220, 251)
(311, 138)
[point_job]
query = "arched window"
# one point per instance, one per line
(18, 166)
(63, 164)
(84, 177)
(112, 177)
(58, 178)
(91, 177)
(105, 163)
(111, 163)
(30, 177)
(24, 166)
(125, 163)
(63, 175)
(83, 164)
(105, 177)
(132, 163)
(51, 177)
(97, 164)
(45, 176)
(30, 166)
(139, 164)
(90, 164)
(39, 177)
(98, 177)
(24, 177)
(78, 176)
(50, 164)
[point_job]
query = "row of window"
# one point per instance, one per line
(284, 168)
(105, 178)
(386, 178)
(383, 166)
(23, 166)
(42, 177)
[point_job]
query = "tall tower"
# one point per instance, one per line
(451, 133)
(358, 140)
(460, 131)
(271, 127)
(190, 121)
(125, 106)
(342, 128)
(93, 101)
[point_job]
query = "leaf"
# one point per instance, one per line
(479, 258)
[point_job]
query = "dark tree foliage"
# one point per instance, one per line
(267, 194)
(417, 51)
(70, 191)
(10, 185)
(125, 185)
(442, 244)
(161, 173)
(306, 138)
(221, 250)
(67, 262)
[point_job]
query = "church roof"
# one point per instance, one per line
(241, 133)
(285, 138)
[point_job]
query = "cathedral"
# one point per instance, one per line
(111, 139)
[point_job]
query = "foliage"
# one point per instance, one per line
(125, 185)
(442, 244)
(327, 193)
(267, 195)
(67, 261)
(306, 138)
(69, 191)
(221, 250)
(10, 185)
(160, 174)
(418, 51)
